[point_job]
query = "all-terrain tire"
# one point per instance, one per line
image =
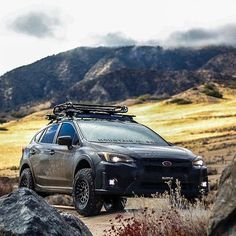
(86, 202)
(26, 179)
(115, 204)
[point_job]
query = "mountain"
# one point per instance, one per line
(112, 74)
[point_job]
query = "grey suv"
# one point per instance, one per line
(101, 156)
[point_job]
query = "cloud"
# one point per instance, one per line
(195, 37)
(224, 35)
(115, 39)
(36, 23)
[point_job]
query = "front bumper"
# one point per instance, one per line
(145, 180)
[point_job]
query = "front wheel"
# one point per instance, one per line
(114, 204)
(86, 202)
(26, 179)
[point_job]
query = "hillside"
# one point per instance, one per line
(208, 128)
(115, 74)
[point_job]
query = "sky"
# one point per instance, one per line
(33, 29)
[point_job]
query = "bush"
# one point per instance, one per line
(2, 121)
(212, 171)
(144, 97)
(180, 101)
(211, 90)
(175, 216)
(14, 168)
(18, 114)
(5, 187)
(3, 129)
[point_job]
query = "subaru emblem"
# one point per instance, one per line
(167, 163)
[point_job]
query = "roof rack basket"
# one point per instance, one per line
(85, 108)
(70, 109)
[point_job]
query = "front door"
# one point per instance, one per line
(64, 157)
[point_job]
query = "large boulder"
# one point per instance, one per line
(23, 212)
(223, 219)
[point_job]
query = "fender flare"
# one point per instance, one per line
(84, 158)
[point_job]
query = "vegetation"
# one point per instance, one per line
(6, 186)
(2, 120)
(18, 114)
(180, 101)
(3, 129)
(212, 90)
(144, 97)
(168, 214)
(174, 122)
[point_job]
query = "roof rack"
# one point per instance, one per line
(71, 110)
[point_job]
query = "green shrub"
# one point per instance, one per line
(144, 97)
(2, 121)
(211, 90)
(3, 129)
(18, 114)
(14, 168)
(180, 101)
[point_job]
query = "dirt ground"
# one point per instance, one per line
(96, 224)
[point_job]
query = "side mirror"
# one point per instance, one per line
(65, 140)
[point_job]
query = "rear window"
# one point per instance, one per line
(49, 134)
(38, 136)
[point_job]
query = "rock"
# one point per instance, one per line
(223, 218)
(23, 212)
(60, 199)
(78, 224)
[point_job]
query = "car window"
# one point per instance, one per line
(119, 132)
(68, 130)
(38, 136)
(49, 134)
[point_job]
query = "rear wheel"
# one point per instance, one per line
(114, 204)
(87, 203)
(26, 179)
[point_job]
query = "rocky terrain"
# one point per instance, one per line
(223, 219)
(115, 74)
(23, 212)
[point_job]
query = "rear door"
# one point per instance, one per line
(42, 157)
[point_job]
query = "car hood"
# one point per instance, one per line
(145, 151)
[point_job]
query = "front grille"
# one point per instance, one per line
(166, 170)
(154, 165)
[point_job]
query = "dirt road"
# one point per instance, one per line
(96, 224)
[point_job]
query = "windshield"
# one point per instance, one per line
(119, 132)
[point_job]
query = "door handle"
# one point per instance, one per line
(51, 152)
(32, 151)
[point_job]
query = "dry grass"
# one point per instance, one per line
(18, 135)
(6, 185)
(182, 123)
(168, 214)
(208, 128)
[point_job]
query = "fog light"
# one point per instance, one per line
(112, 182)
(204, 184)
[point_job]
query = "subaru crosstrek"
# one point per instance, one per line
(101, 156)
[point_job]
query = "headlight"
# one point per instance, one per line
(115, 158)
(198, 161)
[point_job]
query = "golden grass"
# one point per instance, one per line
(18, 135)
(182, 123)
(176, 123)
